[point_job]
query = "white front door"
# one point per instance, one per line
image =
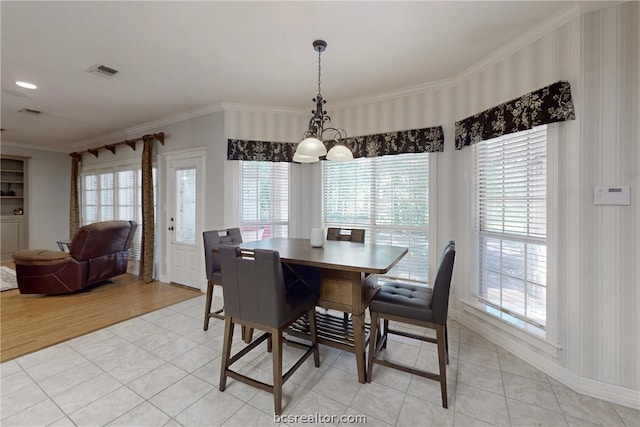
(183, 230)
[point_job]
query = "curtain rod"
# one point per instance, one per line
(112, 147)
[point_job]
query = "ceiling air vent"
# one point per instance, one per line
(102, 70)
(30, 111)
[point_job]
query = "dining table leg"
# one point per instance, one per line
(359, 339)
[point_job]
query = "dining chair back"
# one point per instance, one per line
(256, 297)
(355, 235)
(213, 239)
(346, 234)
(419, 306)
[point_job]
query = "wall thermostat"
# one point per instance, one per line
(611, 195)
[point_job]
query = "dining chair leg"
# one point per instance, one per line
(440, 338)
(385, 332)
(311, 316)
(374, 333)
(226, 352)
(276, 334)
(446, 341)
(207, 305)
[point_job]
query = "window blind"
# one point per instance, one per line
(511, 227)
(264, 201)
(387, 196)
(115, 195)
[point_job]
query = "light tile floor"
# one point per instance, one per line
(162, 369)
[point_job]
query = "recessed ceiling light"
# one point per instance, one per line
(27, 85)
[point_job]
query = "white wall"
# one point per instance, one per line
(597, 258)
(206, 131)
(594, 324)
(429, 107)
(593, 342)
(49, 176)
(609, 251)
(202, 132)
(242, 122)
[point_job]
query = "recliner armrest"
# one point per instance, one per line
(40, 257)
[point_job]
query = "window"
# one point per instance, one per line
(114, 195)
(511, 226)
(185, 210)
(264, 200)
(388, 196)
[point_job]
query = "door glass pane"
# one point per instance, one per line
(185, 222)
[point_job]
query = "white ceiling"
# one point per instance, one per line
(177, 57)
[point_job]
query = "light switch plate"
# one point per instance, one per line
(611, 195)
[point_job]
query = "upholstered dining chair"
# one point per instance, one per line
(355, 235)
(213, 239)
(256, 296)
(415, 305)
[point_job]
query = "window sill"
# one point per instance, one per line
(509, 325)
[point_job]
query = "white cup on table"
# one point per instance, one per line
(317, 237)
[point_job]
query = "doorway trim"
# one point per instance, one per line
(198, 155)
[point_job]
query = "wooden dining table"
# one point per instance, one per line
(348, 284)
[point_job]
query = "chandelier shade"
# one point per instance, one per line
(339, 153)
(302, 158)
(312, 147)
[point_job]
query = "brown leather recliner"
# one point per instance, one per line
(97, 252)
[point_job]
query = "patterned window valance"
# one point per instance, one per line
(240, 149)
(425, 140)
(550, 104)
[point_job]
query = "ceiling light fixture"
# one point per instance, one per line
(27, 85)
(311, 148)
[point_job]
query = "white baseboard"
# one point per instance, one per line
(542, 361)
(612, 393)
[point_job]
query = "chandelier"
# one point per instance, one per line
(312, 147)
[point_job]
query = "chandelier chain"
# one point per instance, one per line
(319, 70)
(312, 147)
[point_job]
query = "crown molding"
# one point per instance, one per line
(525, 39)
(572, 11)
(406, 91)
(250, 108)
(14, 144)
(575, 9)
(590, 6)
(135, 131)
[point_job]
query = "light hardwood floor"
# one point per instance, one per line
(33, 322)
